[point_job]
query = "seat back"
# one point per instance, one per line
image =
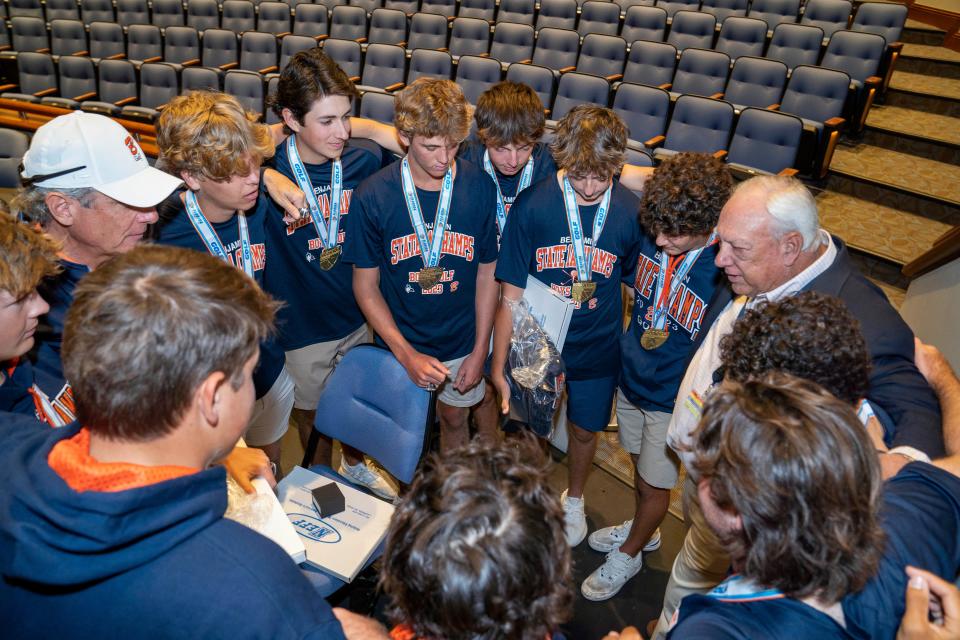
(292, 45)
(882, 18)
(427, 31)
(579, 88)
(538, 78)
(723, 9)
(133, 12)
(475, 75)
(815, 93)
(13, 146)
(247, 87)
(181, 44)
(25, 8)
(117, 80)
(519, 11)
(672, 6)
(409, 7)
(557, 14)
(258, 52)
(158, 84)
(96, 11)
(742, 37)
(384, 65)
(701, 72)
(274, 17)
(429, 63)
(68, 37)
(36, 72)
(692, 29)
(370, 403)
(445, 8)
(829, 15)
(512, 42)
(348, 23)
(599, 17)
(77, 77)
(765, 140)
(756, 82)
(345, 53)
(29, 34)
(239, 15)
(377, 106)
(310, 20)
(219, 48)
(387, 26)
(62, 10)
(367, 5)
(643, 109)
(203, 14)
(856, 53)
(167, 13)
(644, 23)
(556, 48)
(774, 12)
(481, 9)
(144, 42)
(652, 63)
(699, 124)
(795, 44)
(199, 79)
(602, 55)
(106, 40)
(469, 37)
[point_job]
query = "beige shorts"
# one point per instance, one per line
(311, 366)
(271, 413)
(450, 396)
(643, 433)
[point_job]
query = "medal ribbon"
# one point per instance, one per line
(525, 178)
(584, 266)
(328, 235)
(416, 214)
(668, 282)
(738, 588)
(212, 241)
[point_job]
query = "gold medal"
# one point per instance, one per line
(653, 338)
(428, 277)
(583, 291)
(329, 257)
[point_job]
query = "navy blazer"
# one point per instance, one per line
(896, 386)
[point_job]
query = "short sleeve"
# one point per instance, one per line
(363, 238)
(516, 243)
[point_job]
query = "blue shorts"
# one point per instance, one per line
(590, 402)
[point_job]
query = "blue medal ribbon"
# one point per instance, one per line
(525, 178)
(660, 310)
(431, 258)
(212, 241)
(584, 266)
(328, 235)
(738, 588)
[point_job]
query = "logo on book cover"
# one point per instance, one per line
(314, 528)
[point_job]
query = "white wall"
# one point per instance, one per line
(932, 309)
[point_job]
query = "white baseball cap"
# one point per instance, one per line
(89, 150)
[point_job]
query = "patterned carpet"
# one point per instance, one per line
(915, 123)
(902, 170)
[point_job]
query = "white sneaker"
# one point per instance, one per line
(363, 475)
(610, 538)
(574, 519)
(610, 577)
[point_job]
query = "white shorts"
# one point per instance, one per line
(450, 396)
(311, 366)
(271, 413)
(643, 433)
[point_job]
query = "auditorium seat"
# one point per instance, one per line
(144, 43)
(475, 75)
(274, 18)
(481, 9)
(817, 96)
(409, 7)
(159, 85)
(829, 15)
(167, 13)
(62, 10)
(651, 63)
(96, 11)
(692, 29)
(645, 110)
(68, 38)
(428, 31)
(36, 75)
(238, 16)
(755, 82)
(602, 55)
(133, 12)
(882, 18)
(384, 68)
(697, 124)
(200, 79)
(388, 26)
(858, 55)
(512, 42)
(367, 5)
(429, 63)
(519, 11)
(774, 12)
(310, 20)
(765, 142)
(29, 34)
(291, 45)
(673, 6)
(77, 80)
(538, 78)
(203, 14)
(25, 9)
(347, 54)
(557, 14)
(258, 52)
(795, 44)
(116, 87)
(742, 37)
(348, 23)
(469, 37)
(219, 49)
(181, 46)
(701, 72)
(644, 23)
(445, 8)
(557, 49)
(723, 9)
(576, 89)
(106, 41)
(599, 16)
(13, 146)
(377, 106)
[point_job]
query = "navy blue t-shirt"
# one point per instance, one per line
(440, 322)
(921, 498)
(536, 242)
(543, 167)
(15, 384)
(174, 228)
(319, 304)
(650, 378)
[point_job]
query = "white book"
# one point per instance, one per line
(340, 544)
(551, 310)
(278, 528)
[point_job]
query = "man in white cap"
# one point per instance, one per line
(88, 184)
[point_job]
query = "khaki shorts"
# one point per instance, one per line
(450, 396)
(311, 366)
(271, 413)
(643, 433)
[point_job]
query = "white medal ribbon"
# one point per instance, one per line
(660, 312)
(328, 235)
(738, 588)
(584, 266)
(209, 236)
(525, 178)
(416, 214)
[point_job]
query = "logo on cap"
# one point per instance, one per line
(132, 146)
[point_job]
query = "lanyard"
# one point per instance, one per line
(212, 241)
(584, 267)
(737, 588)
(416, 215)
(525, 178)
(328, 235)
(668, 282)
